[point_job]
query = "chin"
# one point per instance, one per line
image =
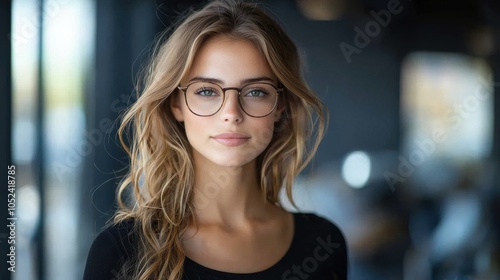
(225, 158)
(232, 162)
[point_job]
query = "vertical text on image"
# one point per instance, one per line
(11, 217)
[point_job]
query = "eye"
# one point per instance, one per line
(255, 92)
(206, 92)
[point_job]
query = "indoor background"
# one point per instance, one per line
(409, 168)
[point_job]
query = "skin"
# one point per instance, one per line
(236, 230)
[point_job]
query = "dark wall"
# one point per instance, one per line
(361, 92)
(124, 32)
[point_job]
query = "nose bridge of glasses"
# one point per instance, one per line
(227, 97)
(235, 89)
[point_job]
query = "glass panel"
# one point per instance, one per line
(67, 50)
(24, 42)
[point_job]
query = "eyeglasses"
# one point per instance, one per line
(206, 99)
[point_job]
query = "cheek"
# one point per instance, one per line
(194, 127)
(269, 132)
(265, 134)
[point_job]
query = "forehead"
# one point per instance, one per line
(230, 60)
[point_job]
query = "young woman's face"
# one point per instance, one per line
(229, 137)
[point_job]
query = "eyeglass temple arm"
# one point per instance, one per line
(182, 88)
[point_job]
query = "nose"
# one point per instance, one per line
(231, 110)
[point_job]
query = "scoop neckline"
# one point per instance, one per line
(203, 268)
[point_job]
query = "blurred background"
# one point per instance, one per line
(409, 168)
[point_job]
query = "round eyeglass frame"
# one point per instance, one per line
(278, 91)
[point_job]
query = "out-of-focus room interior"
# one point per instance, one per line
(409, 167)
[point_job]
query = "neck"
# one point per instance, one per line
(227, 195)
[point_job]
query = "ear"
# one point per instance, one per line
(176, 106)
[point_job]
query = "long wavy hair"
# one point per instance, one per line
(157, 192)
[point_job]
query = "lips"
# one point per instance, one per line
(231, 139)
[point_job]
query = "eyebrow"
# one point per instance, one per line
(219, 81)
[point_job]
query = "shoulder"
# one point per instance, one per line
(323, 239)
(111, 248)
(311, 222)
(119, 237)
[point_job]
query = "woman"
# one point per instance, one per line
(224, 120)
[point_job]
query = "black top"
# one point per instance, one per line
(318, 252)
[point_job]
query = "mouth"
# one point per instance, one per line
(231, 139)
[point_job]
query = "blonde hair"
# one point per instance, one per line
(157, 193)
